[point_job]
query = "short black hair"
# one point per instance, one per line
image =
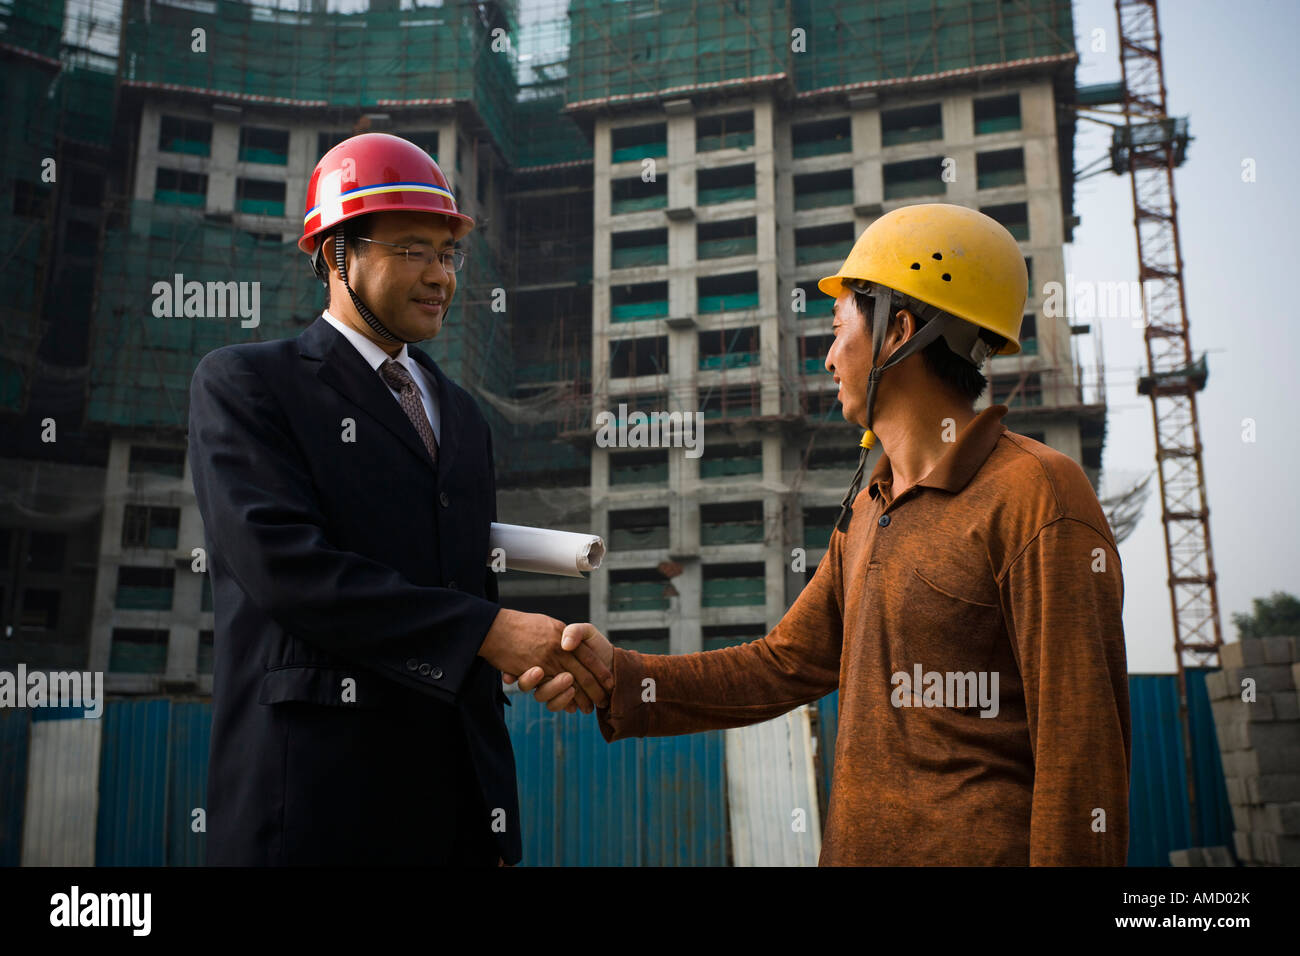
(942, 362)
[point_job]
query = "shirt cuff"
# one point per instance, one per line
(626, 715)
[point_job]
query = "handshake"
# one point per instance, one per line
(568, 668)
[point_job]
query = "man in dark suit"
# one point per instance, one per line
(346, 487)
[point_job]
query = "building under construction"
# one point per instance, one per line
(658, 184)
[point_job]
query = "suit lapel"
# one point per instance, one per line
(343, 369)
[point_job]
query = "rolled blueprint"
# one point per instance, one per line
(544, 551)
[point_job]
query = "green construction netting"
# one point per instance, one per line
(740, 140)
(854, 42)
(637, 596)
(35, 25)
(823, 197)
(651, 474)
(631, 539)
(639, 203)
(86, 103)
(26, 210)
(725, 467)
(368, 59)
(729, 302)
(634, 256)
(731, 532)
(644, 46)
(625, 154)
(545, 135)
(649, 46)
(729, 360)
(818, 252)
(632, 311)
(723, 248)
(712, 196)
(731, 592)
(144, 362)
(817, 535)
(822, 147)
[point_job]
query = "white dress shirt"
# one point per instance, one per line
(375, 355)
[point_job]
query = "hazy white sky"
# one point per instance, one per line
(1231, 68)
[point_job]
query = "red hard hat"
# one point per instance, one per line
(376, 172)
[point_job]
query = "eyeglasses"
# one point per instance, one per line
(453, 260)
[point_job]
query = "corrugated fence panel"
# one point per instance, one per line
(1213, 811)
(1157, 791)
(685, 801)
(636, 802)
(62, 790)
(190, 735)
(828, 725)
(14, 728)
(772, 793)
(1159, 770)
(133, 784)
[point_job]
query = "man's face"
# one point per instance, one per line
(410, 298)
(849, 357)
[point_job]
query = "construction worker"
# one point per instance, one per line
(347, 487)
(968, 608)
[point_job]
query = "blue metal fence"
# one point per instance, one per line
(14, 735)
(133, 770)
(582, 801)
(1158, 808)
(655, 802)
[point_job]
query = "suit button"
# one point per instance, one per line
(424, 670)
(453, 585)
(436, 673)
(412, 664)
(884, 521)
(443, 499)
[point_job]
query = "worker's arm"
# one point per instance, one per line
(260, 512)
(662, 695)
(1064, 595)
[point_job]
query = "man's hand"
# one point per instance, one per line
(560, 692)
(520, 642)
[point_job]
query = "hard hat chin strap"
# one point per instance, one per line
(340, 259)
(884, 300)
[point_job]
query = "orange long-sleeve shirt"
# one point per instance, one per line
(999, 562)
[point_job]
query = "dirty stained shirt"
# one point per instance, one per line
(999, 561)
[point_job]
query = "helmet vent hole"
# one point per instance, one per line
(937, 256)
(946, 277)
(916, 265)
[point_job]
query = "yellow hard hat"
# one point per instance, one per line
(951, 257)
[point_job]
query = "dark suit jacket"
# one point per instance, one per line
(339, 558)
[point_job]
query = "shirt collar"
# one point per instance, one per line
(959, 464)
(371, 352)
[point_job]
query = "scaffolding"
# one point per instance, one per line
(371, 59)
(856, 43)
(643, 49)
(57, 99)
(622, 52)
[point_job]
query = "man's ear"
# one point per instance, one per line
(902, 326)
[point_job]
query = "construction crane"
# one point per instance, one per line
(1148, 148)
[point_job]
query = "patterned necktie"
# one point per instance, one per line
(399, 379)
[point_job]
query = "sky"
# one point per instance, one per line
(1231, 69)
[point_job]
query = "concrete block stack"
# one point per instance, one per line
(1259, 741)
